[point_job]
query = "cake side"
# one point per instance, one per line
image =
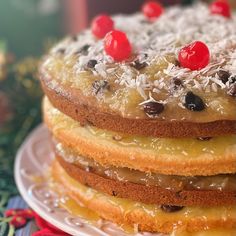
(150, 89)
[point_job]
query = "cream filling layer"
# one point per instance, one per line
(180, 148)
(179, 219)
(185, 157)
(170, 182)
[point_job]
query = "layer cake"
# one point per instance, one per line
(142, 113)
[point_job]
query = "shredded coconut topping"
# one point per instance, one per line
(154, 42)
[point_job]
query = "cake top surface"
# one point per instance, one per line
(151, 82)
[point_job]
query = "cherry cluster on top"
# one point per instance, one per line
(194, 56)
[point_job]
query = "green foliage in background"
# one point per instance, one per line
(23, 91)
(25, 24)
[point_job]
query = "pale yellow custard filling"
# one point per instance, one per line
(184, 148)
(170, 182)
(125, 206)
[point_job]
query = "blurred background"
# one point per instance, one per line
(27, 25)
(27, 29)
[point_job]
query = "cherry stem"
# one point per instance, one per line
(3, 220)
(11, 231)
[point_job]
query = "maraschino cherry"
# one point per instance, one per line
(18, 221)
(101, 25)
(117, 45)
(152, 9)
(221, 7)
(194, 56)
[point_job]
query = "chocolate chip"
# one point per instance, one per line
(145, 55)
(61, 50)
(92, 63)
(153, 108)
(74, 38)
(100, 85)
(177, 82)
(204, 138)
(223, 76)
(169, 208)
(177, 63)
(232, 80)
(114, 193)
(194, 102)
(175, 85)
(145, 21)
(84, 50)
(232, 90)
(138, 65)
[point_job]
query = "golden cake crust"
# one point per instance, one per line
(150, 112)
(107, 153)
(74, 104)
(145, 221)
(148, 194)
(149, 93)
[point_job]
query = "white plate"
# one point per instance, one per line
(33, 158)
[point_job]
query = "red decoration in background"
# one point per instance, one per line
(12, 212)
(117, 45)
(25, 213)
(48, 232)
(194, 56)
(46, 229)
(18, 221)
(80, 12)
(18, 218)
(101, 25)
(152, 9)
(221, 7)
(76, 15)
(5, 108)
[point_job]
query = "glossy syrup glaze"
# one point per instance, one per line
(77, 209)
(188, 147)
(126, 206)
(153, 72)
(185, 148)
(173, 183)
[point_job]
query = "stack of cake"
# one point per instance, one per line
(142, 110)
